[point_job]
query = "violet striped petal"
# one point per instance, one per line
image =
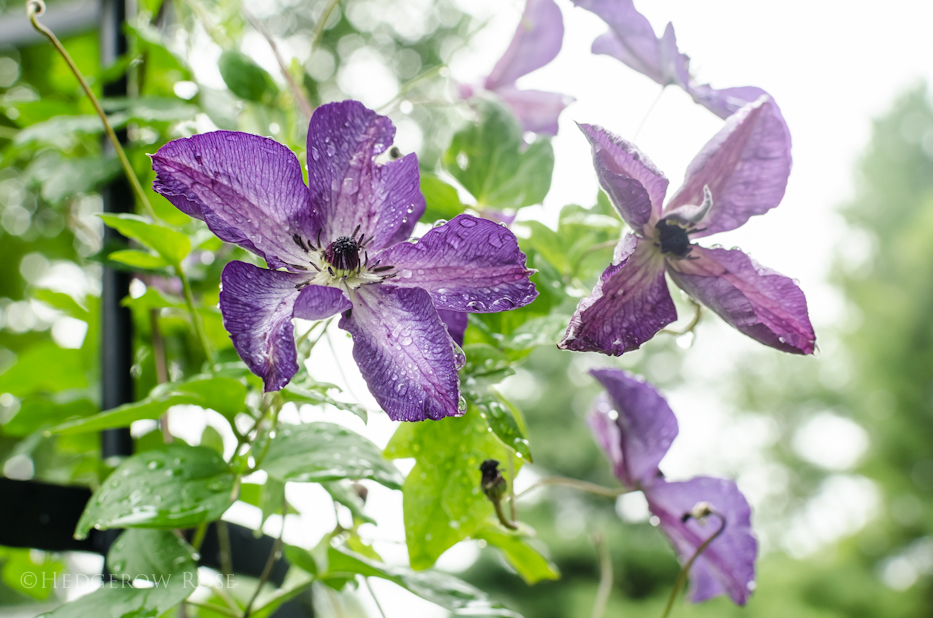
(757, 301)
(456, 323)
(628, 306)
(724, 101)
(631, 38)
(467, 264)
(537, 41)
(404, 352)
(537, 110)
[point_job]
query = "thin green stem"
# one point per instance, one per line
(512, 507)
(578, 485)
(689, 328)
(195, 316)
(321, 22)
(682, 576)
(214, 608)
(303, 103)
(605, 576)
(223, 542)
(609, 244)
(410, 84)
(199, 534)
(270, 562)
(505, 521)
(641, 125)
(373, 595)
(35, 8)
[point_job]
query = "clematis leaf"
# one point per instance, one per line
(150, 553)
(138, 259)
(442, 501)
(37, 412)
(441, 198)
(177, 486)
(171, 245)
(245, 78)
(125, 602)
(44, 367)
(316, 452)
(518, 551)
(342, 492)
(316, 395)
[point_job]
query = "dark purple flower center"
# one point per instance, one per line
(343, 254)
(673, 238)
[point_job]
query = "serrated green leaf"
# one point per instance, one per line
(138, 259)
(315, 452)
(530, 564)
(150, 553)
(442, 501)
(171, 245)
(441, 199)
(119, 601)
(149, 408)
(177, 486)
(447, 591)
(245, 78)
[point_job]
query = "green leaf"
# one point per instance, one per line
(245, 78)
(489, 159)
(316, 452)
(318, 396)
(138, 259)
(123, 601)
(212, 439)
(150, 553)
(44, 367)
(40, 567)
(171, 245)
(173, 487)
(148, 110)
(62, 177)
(441, 198)
(62, 301)
(35, 413)
(343, 493)
(224, 395)
(501, 418)
(454, 595)
(524, 558)
(442, 501)
(151, 407)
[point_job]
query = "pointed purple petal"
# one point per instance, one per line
(468, 264)
(536, 42)
(725, 101)
(318, 302)
(675, 65)
(645, 426)
(348, 188)
(635, 186)
(728, 563)
(628, 306)
(248, 189)
(745, 166)
(631, 38)
(404, 352)
(759, 302)
(456, 323)
(537, 110)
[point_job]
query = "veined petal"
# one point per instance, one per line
(635, 186)
(745, 166)
(759, 302)
(404, 352)
(628, 306)
(631, 38)
(537, 41)
(724, 101)
(728, 563)
(467, 264)
(348, 188)
(248, 189)
(456, 323)
(643, 429)
(257, 306)
(537, 110)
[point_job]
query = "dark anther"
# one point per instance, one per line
(343, 254)
(348, 313)
(318, 245)
(673, 238)
(395, 153)
(382, 269)
(300, 242)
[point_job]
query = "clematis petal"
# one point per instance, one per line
(628, 306)
(631, 38)
(467, 264)
(404, 352)
(456, 323)
(635, 186)
(724, 101)
(759, 302)
(644, 427)
(248, 189)
(537, 110)
(727, 565)
(348, 188)
(537, 41)
(257, 306)
(745, 166)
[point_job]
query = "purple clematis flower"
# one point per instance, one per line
(739, 173)
(631, 39)
(537, 41)
(635, 428)
(335, 246)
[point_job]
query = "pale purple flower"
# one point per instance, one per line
(632, 40)
(739, 173)
(635, 428)
(336, 246)
(537, 41)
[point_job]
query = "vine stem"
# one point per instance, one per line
(375, 598)
(195, 318)
(605, 576)
(270, 562)
(689, 328)
(214, 608)
(303, 103)
(682, 576)
(158, 352)
(321, 22)
(644, 119)
(35, 8)
(592, 488)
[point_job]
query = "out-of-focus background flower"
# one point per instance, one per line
(834, 452)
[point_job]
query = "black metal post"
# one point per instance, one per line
(117, 326)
